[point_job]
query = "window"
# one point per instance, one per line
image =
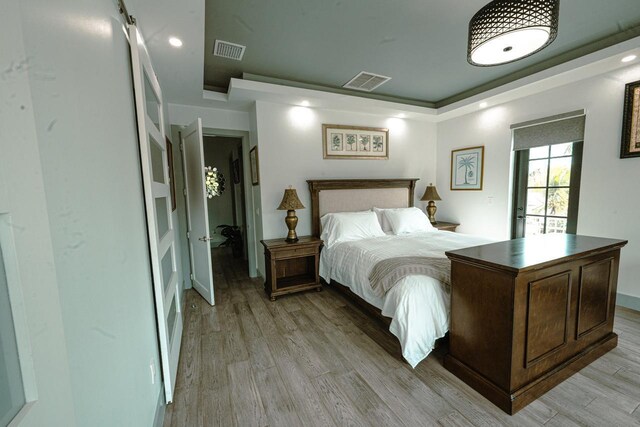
(547, 189)
(548, 162)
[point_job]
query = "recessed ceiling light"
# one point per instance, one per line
(305, 103)
(175, 42)
(629, 58)
(483, 105)
(401, 116)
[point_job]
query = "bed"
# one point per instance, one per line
(416, 309)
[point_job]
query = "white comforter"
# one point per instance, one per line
(418, 305)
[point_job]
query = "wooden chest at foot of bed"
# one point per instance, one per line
(528, 313)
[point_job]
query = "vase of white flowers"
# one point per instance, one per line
(214, 182)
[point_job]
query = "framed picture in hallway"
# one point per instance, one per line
(467, 168)
(172, 181)
(631, 121)
(235, 171)
(255, 167)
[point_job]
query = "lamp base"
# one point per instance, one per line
(431, 211)
(292, 221)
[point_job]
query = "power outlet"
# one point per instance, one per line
(152, 368)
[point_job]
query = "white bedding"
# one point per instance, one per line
(418, 305)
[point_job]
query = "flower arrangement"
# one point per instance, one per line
(214, 182)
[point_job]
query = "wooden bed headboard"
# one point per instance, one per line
(350, 195)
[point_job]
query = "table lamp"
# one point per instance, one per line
(431, 194)
(290, 203)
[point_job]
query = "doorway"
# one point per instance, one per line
(227, 208)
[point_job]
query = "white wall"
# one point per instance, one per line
(78, 60)
(24, 221)
(290, 152)
(255, 207)
(214, 118)
(609, 204)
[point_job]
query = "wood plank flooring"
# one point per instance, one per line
(312, 359)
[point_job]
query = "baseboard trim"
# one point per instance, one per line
(628, 301)
(158, 421)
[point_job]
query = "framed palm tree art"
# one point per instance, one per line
(467, 168)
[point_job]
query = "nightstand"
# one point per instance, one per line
(446, 226)
(291, 267)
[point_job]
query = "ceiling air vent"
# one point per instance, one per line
(366, 81)
(228, 50)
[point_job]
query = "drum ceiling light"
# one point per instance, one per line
(508, 30)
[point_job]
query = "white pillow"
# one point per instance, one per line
(382, 219)
(349, 226)
(408, 220)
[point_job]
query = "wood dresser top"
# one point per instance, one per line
(534, 252)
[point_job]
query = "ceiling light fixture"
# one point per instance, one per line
(483, 105)
(305, 103)
(508, 30)
(401, 116)
(629, 58)
(175, 42)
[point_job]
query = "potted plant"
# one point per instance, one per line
(233, 235)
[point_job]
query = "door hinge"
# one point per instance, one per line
(188, 235)
(181, 146)
(184, 191)
(191, 275)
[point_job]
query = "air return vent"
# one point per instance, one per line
(228, 50)
(366, 82)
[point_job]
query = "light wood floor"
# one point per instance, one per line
(312, 359)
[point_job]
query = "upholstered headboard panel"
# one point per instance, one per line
(350, 195)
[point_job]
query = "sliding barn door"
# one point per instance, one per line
(157, 198)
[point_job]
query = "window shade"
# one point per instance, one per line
(560, 129)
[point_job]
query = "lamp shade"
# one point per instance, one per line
(290, 200)
(507, 30)
(430, 193)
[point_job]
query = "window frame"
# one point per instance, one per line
(520, 186)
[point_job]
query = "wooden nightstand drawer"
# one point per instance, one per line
(291, 267)
(294, 253)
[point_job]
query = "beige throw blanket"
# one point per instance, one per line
(387, 273)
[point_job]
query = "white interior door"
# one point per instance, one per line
(197, 212)
(157, 198)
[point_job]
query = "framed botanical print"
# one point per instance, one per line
(355, 142)
(631, 121)
(467, 168)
